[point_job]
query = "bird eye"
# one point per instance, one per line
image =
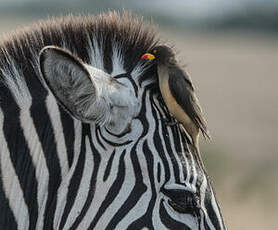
(154, 51)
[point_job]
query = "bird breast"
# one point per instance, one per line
(174, 108)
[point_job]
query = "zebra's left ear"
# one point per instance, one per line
(69, 81)
(87, 93)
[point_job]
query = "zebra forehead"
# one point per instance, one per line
(112, 42)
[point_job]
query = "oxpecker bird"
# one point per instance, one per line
(178, 93)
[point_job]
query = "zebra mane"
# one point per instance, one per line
(112, 42)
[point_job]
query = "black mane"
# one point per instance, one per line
(73, 33)
(19, 50)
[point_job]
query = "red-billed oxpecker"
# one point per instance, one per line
(178, 93)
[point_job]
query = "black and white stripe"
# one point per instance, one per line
(59, 173)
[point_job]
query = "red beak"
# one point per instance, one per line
(147, 56)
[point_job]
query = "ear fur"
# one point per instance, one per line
(69, 81)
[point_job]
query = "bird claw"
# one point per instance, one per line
(171, 122)
(159, 97)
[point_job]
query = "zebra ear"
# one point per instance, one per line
(69, 81)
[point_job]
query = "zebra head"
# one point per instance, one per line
(93, 133)
(163, 184)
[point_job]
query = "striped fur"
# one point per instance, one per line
(59, 173)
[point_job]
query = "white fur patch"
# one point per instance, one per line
(117, 101)
(139, 69)
(96, 53)
(13, 79)
(117, 60)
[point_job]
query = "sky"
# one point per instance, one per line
(201, 8)
(180, 9)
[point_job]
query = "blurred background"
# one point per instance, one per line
(230, 49)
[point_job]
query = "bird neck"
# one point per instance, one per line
(166, 61)
(172, 61)
(163, 73)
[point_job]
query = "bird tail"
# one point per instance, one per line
(205, 133)
(202, 124)
(198, 118)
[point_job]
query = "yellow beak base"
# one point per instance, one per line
(148, 56)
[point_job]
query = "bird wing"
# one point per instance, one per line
(182, 89)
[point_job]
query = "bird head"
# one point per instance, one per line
(159, 53)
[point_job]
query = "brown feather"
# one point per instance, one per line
(183, 91)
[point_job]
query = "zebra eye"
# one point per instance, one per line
(182, 201)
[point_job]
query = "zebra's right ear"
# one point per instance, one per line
(69, 81)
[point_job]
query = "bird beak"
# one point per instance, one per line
(148, 56)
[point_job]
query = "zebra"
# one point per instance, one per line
(84, 142)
